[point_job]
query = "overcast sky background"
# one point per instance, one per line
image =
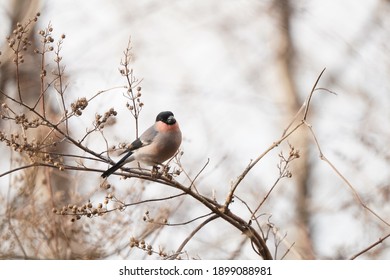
(212, 64)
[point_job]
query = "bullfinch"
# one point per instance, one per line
(156, 145)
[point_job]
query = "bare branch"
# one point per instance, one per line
(343, 178)
(192, 234)
(370, 247)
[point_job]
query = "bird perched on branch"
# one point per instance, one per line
(156, 145)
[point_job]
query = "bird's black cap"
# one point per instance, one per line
(166, 117)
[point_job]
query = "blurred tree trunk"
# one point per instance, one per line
(39, 189)
(301, 167)
(21, 11)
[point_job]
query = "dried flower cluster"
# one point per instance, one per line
(19, 40)
(284, 163)
(100, 120)
(88, 209)
(148, 248)
(137, 104)
(79, 106)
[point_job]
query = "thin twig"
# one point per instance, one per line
(200, 171)
(370, 247)
(184, 243)
(311, 94)
(287, 251)
(343, 178)
(254, 162)
(9, 217)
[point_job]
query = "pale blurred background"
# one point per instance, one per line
(235, 73)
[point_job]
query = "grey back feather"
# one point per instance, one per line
(145, 139)
(148, 136)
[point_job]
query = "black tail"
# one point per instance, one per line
(115, 167)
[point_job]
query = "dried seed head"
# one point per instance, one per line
(133, 242)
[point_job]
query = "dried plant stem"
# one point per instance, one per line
(184, 243)
(343, 178)
(370, 247)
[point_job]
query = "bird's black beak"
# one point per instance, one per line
(171, 120)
